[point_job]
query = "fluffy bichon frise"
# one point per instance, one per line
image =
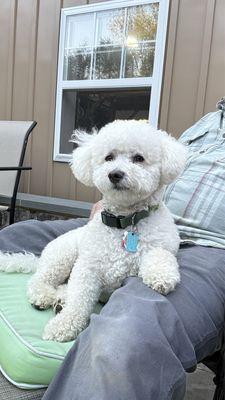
(130, 163)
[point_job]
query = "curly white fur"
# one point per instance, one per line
(92, 256)
(18, 262)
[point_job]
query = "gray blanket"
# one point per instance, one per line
(141, 344)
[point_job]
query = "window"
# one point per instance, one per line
(110, 66)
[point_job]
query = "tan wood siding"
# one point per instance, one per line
(24, 71)
(215, 85)
(194, 78)
(7, 36)
(194, 75)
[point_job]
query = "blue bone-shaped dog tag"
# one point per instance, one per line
(130, 241)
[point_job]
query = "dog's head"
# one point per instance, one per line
(127, 160)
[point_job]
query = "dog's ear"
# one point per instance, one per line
(173, 158)
(82, 154)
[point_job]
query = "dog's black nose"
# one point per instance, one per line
(116, 176)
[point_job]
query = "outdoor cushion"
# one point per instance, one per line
(26, 360)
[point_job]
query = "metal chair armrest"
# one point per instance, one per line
(14, 168)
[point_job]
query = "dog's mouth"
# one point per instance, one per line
(119, 187)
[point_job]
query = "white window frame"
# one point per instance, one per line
(154, 83)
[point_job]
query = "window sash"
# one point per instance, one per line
(153, 82)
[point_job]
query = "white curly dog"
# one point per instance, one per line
(130, 163)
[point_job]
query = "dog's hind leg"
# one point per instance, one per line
(84, 288)
(55, 264)
(60, 300)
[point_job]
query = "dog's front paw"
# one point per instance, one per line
(160, 285)
(62, 329)
(160, 271)
(41, 295)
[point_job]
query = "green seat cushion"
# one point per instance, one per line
(26, 359)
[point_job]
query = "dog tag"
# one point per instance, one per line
(130, 241)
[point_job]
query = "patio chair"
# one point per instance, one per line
(216, 364)
(13, 141)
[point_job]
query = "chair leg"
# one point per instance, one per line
(11, 215)
(219, 393)
(219, 380)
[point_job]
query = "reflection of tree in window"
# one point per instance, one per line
(107, 61)
(138, 45)
(141, 34)
(142, 22)
(78, 65)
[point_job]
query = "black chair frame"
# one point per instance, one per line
(19, 169)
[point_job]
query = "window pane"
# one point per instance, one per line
(78, 65)
(109, 41)
(67, 121)
(107, 63)
(142, 22)
(79, 42)
(86, 109)
(111, 44)
(139, 60)
(79, 31)
(110, 27)
(140, 41)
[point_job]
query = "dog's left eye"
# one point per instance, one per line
(138, 158)
(109, 157)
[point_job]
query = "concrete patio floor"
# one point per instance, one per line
(199, 387)
(200, 384)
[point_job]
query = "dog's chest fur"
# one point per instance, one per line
(102, 245)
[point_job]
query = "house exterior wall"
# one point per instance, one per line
(194, 78)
